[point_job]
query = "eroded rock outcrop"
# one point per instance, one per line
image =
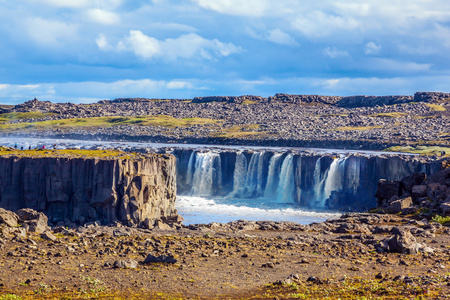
(134, 191)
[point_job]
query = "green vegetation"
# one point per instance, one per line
(423, 150)
(10, 297)
(335, 115)
(23, 116)
(436, 107)
(389, 115)
(351, 289)
(351, 128)
(442, 220)
(72, 153)
(160, 120)
(248, 101)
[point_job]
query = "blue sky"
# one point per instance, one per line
(88, 50)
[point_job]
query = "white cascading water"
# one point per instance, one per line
(334, 178)
(190, 168)
(273, 176)
(319, 180)
(254, 178)
(240, 175)
(204, 174)
(286, 185)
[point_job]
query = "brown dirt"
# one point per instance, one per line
(220, 264)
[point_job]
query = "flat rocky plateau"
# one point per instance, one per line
(358, 122)
(356, 256)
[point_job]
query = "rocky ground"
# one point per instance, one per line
(358, 255)
(284, 120)
(372, 255)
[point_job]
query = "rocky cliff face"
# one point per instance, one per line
(80, 190)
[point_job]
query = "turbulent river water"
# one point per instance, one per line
(226, 183)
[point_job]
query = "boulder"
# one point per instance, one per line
(400, 204)
(32, 220)
(9, 218)
(125, 264)
(48, 236)
(415, 179)
(388, 189)
(160, 259)
(418, 191)
(402, 242)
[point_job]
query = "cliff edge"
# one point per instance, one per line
(79, 186)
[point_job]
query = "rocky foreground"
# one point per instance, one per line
(390, 256)
(358, 122)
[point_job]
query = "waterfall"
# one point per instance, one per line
(286, 186)
(306, 180)
(207, 175)
(334, 178)
(273, 176)
(240, 175)
(190, 168)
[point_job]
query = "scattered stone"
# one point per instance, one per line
(160, 259)
(125, 264)
(48, 236)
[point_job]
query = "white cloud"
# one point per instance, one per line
(372, 48)
(186, 46)
(321, 24)
(141, 44)
(103, 17)
(335, 53)
(102, 43)
(236, 7)
(49, 32)
(390, 65)
(177, 85)
(280, 37)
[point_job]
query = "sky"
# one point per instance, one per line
(83, 51)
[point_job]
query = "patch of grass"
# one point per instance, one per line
(159, 120)
(351, 289)
(352, 128)
(23, 116)
(248, 102)
(436, 107)
(335, 115)
(72, 153)
(441, 219)
(389, 115)
(10, 297)
(423, 150)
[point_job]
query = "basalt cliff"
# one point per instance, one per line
(136, 190)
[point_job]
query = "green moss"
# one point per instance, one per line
(357, 128)
(442, 220)
(423, 150)
(71, 153)
(436, 107)
(388, 115)
(23, 116)
(159, 120)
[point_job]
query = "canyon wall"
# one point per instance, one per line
(80, 190)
